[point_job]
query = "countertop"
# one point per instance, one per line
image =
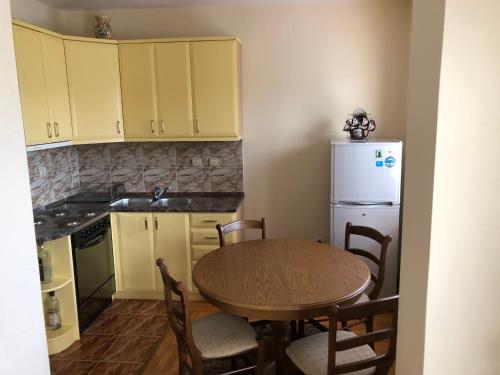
(85, 208)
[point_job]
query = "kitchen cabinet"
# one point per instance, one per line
(171, 243)
(141, 238)
(94, 89)
(138, 240)
(156, 90)
(43, 86)
(215, 75)
(133, 247)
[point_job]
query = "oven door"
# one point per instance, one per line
(94, 273)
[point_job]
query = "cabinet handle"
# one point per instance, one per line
(146, 223)
(152, 126)
(118, 127)
(210, 221)
(197, 124)
(56, 129)
(162, 126)
(49, 130)
(211, 238)
(156, 223)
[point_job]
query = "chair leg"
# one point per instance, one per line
(293, 330)
(369, 328)
(300, 331)
(261, 358)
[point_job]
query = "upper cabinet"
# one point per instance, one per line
(180, 90)
(75, 89)
(94, 89)
(215, 75)
(43, 86)
(156, 90)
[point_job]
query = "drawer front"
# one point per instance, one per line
(210, 237)
(197, 251)
(207, 220)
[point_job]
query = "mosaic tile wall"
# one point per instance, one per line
(57, 173)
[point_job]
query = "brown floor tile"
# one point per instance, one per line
(147, 325)
(90, 347)
(124, 306)
(64, 367)
(118, 368)
(132, 349)
(156, 307)
(109, 323)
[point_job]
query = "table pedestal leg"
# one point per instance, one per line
(280, 338)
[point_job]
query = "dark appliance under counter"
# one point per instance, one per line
(93, 269)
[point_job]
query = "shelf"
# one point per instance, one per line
(66, 329)
(54, 285)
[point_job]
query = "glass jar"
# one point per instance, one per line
(44, 264)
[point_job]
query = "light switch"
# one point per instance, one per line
(197, 162)
(214, 162)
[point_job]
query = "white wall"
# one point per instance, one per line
(35, 13)
(423, 96)
(463, 329)
(23, 349)
(305, 67)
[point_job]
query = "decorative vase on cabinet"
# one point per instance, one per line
(103, 28)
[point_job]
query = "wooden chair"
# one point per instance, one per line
(376, 280)
(240, 225)
(343, 352)
(215, 336)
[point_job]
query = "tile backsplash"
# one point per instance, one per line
(185, 166)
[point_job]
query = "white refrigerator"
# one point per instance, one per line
(366, 190)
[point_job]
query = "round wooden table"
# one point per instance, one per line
(280, 280)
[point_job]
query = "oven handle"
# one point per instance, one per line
(94, 242)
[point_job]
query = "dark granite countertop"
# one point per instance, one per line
(63, 218)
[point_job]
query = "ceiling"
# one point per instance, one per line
(136, 4)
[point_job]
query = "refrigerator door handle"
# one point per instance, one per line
(363, 204)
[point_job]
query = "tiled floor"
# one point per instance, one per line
(120, 341)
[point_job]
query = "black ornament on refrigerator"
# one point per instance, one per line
(359, 125)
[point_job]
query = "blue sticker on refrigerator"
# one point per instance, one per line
(390, 161)
(379, 163)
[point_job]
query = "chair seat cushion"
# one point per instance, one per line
(310, 354)
(222, 335)
(364, 298)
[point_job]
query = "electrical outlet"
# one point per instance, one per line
(42, 171)
(197, 162)
(214, 162)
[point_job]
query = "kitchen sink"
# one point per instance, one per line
(132, 202)
(172, 202)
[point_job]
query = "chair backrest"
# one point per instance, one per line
(367, 310)
(178, 311)
(384, 241)
(240, 225)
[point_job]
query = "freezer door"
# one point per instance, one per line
(366, 172)
(385, 219)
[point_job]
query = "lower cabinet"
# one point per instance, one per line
(180, 238)
(138, 240)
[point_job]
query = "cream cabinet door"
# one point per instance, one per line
(32, 86)
(133, 243)
(173, 85)
(94, 89)
(214, 67)
(138, 83)
(172, 244)
(57, 87)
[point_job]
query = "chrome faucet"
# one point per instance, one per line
(159, 191)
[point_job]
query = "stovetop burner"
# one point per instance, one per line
(59, 213)
(40, 221)
(71, 224)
